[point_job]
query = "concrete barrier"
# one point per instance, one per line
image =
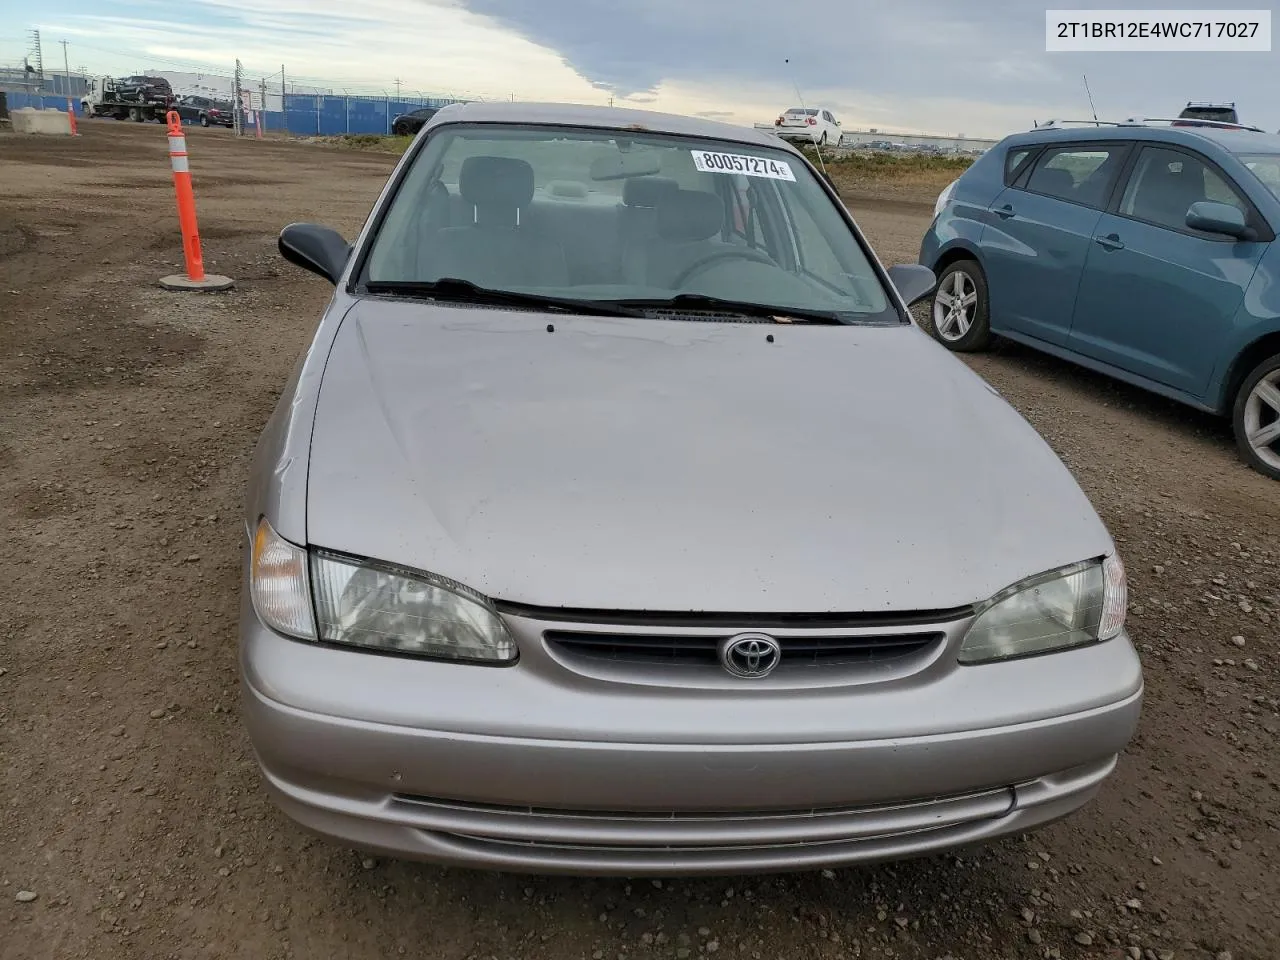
(49, 122)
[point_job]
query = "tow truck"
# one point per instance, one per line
(138, 98)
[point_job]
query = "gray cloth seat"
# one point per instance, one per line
(1054, 181)
(496, 249)
(638, 223)
(1164, 195)
(687, 220)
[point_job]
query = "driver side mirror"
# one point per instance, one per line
(312, 247)
(913, 281)
(1214, 217)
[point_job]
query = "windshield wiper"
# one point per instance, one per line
(698, 301)
(452, 288)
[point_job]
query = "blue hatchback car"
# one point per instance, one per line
(1145, 252)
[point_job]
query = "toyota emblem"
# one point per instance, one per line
(750, 655)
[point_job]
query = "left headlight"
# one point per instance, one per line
(382, 607)
(278, 583)
(1070, 607)
(944, 197)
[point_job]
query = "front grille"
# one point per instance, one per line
(693, 650)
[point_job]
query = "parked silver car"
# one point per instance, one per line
(618, 520)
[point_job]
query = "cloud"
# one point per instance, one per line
(914, 65)
(899, 62)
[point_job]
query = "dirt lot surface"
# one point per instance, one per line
(132, 808)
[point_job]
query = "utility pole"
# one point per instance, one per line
(38, 50)
(262, 107)
(237, 102)
(66, 69)
(398, 81)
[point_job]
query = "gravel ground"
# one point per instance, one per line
(134, 822)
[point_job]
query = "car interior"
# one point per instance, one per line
(626, 228)
(496, 229)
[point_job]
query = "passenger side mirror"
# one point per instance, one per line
(1214, 217)
(313, 247)
(913, 281)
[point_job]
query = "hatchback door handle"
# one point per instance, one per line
(1110, 242)
(1005, 212)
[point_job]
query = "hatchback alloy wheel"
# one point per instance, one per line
(1261, 421)
(960, 313)
(955, 307)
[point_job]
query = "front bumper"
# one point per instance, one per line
(537, 768)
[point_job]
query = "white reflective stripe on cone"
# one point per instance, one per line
(178, 144)
(180, 165)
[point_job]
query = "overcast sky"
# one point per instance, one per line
(943, 66)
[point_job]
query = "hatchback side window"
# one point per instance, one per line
(1080, 174)
(1165, 183)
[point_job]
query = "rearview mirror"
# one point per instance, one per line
(913, 281)
(621, 166)
(1214, 217)
(313, 247)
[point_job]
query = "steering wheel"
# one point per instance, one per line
(701, 266)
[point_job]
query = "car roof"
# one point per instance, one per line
(1232, 141)
(608, 118)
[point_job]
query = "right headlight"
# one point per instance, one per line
(1070, 607)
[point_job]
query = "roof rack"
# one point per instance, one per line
(1057, 124)
(1195, 122)
(1146, 121)
(1210, 105)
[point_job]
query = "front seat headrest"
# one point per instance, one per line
(690, 215)
(496, 182)
(647, 191)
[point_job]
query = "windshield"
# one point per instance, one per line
(596, 215)
(1266, 167)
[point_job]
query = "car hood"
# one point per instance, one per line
(629, 464)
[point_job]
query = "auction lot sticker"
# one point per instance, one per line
(708, 162)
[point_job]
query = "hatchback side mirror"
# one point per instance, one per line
(913, 281)
(1214, 217)
(319, 249)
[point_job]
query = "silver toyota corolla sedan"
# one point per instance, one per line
(618, 520)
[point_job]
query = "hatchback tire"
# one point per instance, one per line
(1255, 418)
(960, 318)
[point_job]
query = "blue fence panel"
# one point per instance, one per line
(17, 101)
(332, 115)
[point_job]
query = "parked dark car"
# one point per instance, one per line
(206, 111)
(1145, 252)
(1203, 110)
(407, 124)
(144, 89)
